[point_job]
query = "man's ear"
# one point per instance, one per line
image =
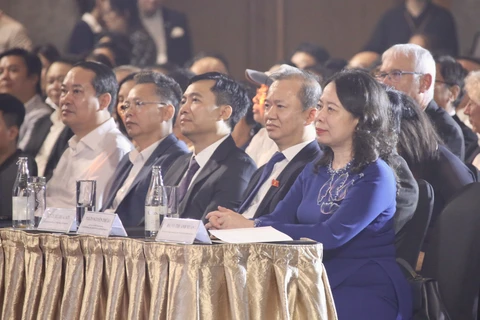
(454, 92)
(425, 82)
(104, 100)
(311, 115)
(225, 112)
(168, 112)
(34, 78)
(12, 133)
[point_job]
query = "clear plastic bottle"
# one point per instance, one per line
(21, 217)
(155, 204)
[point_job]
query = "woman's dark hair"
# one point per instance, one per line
(127, 9)
(318, 52)
(121, 126)
(220, 57)
(417, 139)
(362, 96)
(49, 51)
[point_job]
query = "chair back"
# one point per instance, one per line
(453, 254)
(409, 239)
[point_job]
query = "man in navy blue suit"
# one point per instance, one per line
(149, 112)
(217, 172)
(290, 110)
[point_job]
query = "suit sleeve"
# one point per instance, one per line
(230, 188)
(366, 199)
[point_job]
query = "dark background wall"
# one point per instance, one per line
(252, 33)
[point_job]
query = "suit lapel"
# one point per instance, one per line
(211, 166)
(121, 174)
(300, 160)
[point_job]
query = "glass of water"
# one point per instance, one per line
(172, 201)
(37, 198)
(86, 197)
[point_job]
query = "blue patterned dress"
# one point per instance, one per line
(352, 216)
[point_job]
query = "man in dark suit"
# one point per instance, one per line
(449, 92)
(168, 29)
(411, 69)
(217, 173)
(290, 109)
(149, 111)
(12, 113)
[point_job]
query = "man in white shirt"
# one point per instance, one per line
(168, 29)
(290, 110)
(149, 113)
(218, 172)
(87, 98)
(20, 73)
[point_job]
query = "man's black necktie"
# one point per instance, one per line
(183, 186)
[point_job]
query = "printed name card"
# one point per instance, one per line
(182, 231)
(250, 235)
(57, 220)
(101, 224)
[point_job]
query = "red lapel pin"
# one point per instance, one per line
(275, 183)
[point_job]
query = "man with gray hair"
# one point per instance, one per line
(290, 110)
(149, 112)
(411, 69)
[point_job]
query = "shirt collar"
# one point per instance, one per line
(205, 155)
(145, 153)
(89, 19)
(292, 151)
(92, 139)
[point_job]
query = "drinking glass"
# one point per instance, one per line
(86, 197)
(37, 199)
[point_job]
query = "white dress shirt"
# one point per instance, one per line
(156, 28)
(476, 161)
(55, 130)
(205, 155)
(35, 109)
(261, 148)
(92, 22)
(94, 157)
(289, 154)
(138, 160)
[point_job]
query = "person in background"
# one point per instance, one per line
(84, 33)
(247, 127)
(168, 29)
(48, 130)
(47, 54)
(20, 74)
(364, 60)
(121, 16)
(346, 201)
(124, 88)
(208, 62)
(449, 91)
(217, 172)
(117, 53)
(12, 113)
(411, 69)
(308, 54)
(472, 87)
(121, 72)
(88, 96)
(100, 58)
(149, 113)
(14, 34)
(412, 17)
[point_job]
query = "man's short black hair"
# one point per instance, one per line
(104, 80)
(227, 92)
(12, 109)
(453, 74)
(165, 87)
(31, 60)
(320, 54)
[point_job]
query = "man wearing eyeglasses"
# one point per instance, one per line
(88, 95)
(149, 113)
(411, 69)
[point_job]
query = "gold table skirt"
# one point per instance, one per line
(46, 276)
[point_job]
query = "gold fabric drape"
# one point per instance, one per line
(45, 276)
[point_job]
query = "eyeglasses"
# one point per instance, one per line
(138, 105)
(394, 75)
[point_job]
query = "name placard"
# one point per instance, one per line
(101, 224)
(57, 220)
(182, 231)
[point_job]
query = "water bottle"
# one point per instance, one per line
(21, 214)
(155, 204)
